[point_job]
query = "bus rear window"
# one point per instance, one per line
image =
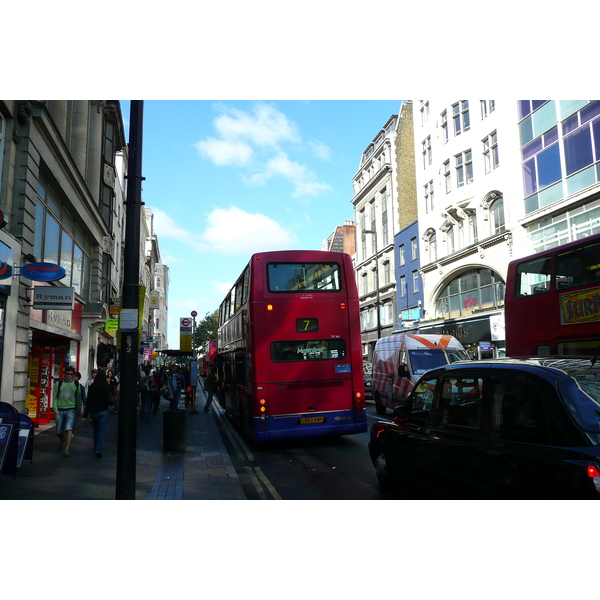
(302, 350)
(533, 277)
(302, 277)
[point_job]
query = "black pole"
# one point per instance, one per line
(130, 337)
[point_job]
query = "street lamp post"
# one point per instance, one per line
(372, 231)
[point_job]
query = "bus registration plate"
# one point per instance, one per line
(307, 420)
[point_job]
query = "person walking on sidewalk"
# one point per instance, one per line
(176, 384)
(97, 406)
(67, 406)
(156, 395)
(212, 386)
(146, 387)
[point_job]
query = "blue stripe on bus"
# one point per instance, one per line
(336, 423)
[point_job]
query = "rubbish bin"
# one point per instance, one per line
(174, 430)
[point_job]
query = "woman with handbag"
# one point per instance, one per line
(99, 399)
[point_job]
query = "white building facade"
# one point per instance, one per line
(469, 205)
(376, 212)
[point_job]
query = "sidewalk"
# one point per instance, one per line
(203, 471)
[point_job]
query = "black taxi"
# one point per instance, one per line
(526, 428)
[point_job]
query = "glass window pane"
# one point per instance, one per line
(305, 350)
(66, 255)
(455, 306)
(485, 277)
(524, 108)
(297, 277)
(51, 239)
(530, 177)
(468, 281)
(590, 111)
(77, 276)
(532, 148)
(39, 230)
(551, 136)
(548, 164)
(578, 150)
(53, 202)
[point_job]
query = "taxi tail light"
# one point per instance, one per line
(594, 475)
(343, 305)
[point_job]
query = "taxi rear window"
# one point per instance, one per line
(581, 394)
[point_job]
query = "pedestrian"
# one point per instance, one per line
(146, 388)
(156, 395)
(91, 379)
(176, 384)
(97, 406)
(211, 386)
(112, 386)
(77, 378)
(67, 406)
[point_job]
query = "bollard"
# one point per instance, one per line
(174, 430)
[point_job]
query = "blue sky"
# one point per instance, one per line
(226, 179)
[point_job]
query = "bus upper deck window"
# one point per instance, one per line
(533, 277)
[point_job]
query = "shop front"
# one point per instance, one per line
(55, 339)
(481, 337)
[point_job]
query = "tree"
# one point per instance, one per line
(207, 329)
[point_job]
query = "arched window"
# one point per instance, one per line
(473, 290)
(497, 216)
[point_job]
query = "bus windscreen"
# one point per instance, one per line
(302, 277)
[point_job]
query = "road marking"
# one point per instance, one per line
(257, 477)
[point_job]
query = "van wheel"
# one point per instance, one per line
(380, 409)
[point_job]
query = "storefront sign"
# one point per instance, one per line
(466, 332)
(43, 271)
(580, 307)
(55, 298)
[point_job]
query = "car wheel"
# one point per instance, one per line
(381, 469)
(380, 409)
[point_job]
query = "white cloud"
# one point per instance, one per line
(169, 259)
(234, 231)
(266, 127)
(225, 152)
(221, 287)
(320, 150)
(246, 139)
(299, 175)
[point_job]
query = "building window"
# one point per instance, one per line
(464, 168)
(59, 240)
(460, 116)
(424, 111)
(402, 260)
(445, 126)
(402, 286)
(526, 107)
(447, 176)
(427, 157)
(450, 240)
(2, 135)
(433, 248)
(413, 249)
(497, 216)
(487, 107)
(473, 228)
(541, 162)
(387, 278)
(415, 278)
(429, 197)
(473, 290)
(490, 152)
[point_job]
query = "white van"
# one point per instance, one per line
(400, 359)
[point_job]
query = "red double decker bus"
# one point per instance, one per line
(552, 301)
(290, 351)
